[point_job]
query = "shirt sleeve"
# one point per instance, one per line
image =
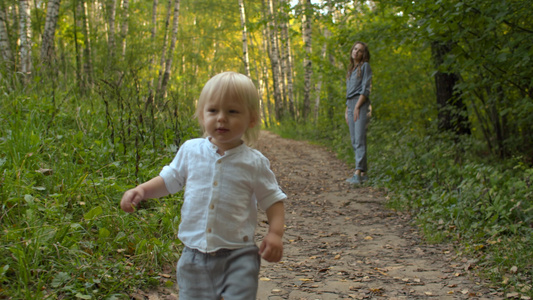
(266, 189)
(175, 173)
(366, 84)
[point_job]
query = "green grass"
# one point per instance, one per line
(456, 192)
(62, 175)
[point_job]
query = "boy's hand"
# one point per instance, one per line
(271, 248)
(131, 199)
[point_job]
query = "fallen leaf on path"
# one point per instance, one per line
(369, 238)
(264, 279)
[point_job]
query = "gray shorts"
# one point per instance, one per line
(231, 274)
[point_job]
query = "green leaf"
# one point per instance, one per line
(104, 233)
(93, 213)
(60, 279)
(78, 295)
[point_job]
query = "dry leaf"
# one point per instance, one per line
(45, 172)
(369, 238)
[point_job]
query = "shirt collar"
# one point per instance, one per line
(214, 148)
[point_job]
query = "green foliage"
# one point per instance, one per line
(64, 164)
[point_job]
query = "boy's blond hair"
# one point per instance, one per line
(233, 85)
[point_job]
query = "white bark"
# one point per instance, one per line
(164, 50)
(124, 28)
(26, 64)
(244, 39)
(287, 63)
(112, 9)
(168, 65)
(47, 46)
(274, 60)
(5, 47)
(306, 23)
(87, 51)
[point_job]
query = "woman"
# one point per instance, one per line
(358, 84)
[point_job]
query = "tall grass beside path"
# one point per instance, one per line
(62, 174)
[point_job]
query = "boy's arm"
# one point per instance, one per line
(154, 188)
(271, 248)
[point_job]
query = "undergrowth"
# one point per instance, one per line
(456, 192)
(64, 165)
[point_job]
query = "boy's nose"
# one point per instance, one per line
(221, 116)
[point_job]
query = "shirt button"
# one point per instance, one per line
(245, 238)
(212, 206)
(215, 183)
(208, 230)
(219, 161)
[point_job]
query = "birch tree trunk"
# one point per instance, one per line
(164, 50)
(152, 59)
(76, 11)
(5, 47)
(287, 59)
(25, 39)
(327, 34)
(244, 40)
(47, 46)
(306, 30)
(87, 51)
(111, 10)
(274, 60)
(168, 65)
(261, 84)
(267, 104)
(124, 28)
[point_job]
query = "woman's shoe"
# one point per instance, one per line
(355, 179)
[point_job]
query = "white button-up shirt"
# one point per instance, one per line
(222, 194)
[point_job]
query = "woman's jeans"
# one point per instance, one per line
(358, 131)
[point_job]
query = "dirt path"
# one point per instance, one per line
(342, 243)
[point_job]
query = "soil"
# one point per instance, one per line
(342, 242)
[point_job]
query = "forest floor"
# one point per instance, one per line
(342, 242)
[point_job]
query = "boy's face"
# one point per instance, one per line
(226, 121)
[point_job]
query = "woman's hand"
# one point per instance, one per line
(346, 116)
(355, 114)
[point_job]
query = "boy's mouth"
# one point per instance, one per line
(221, 129)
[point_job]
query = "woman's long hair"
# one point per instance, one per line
(353, 66)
